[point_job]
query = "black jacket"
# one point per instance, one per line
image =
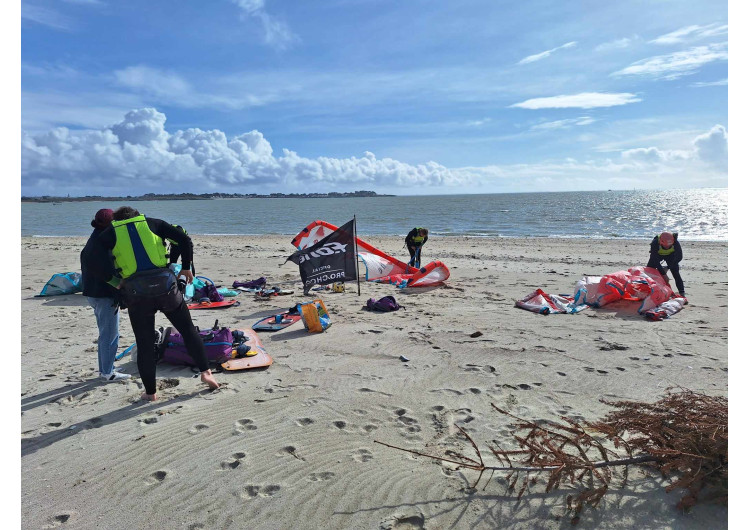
(92, 285)
(410, 238)
(674, 257)
(105, 242)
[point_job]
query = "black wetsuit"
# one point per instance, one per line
(142, 313)
(672, 260)
(412, 245)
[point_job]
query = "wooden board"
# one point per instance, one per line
(260, 360)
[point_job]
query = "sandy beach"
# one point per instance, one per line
(292, 446)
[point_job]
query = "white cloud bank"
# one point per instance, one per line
(545, 54)
(584, 100)
(692, 32)
(675, 65)
(137, 155)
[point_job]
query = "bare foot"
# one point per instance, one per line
(148, 397)
(208, 378)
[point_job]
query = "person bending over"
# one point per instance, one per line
(139, 267)
(665, 247)
(415, 240)
(105, 300)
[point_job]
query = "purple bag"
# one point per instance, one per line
(209, 292)
(387, 303)
(217, 342)
(254, 284)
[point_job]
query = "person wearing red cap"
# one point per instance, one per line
(103, 298)
(665, 247)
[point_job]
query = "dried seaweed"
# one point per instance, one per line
(685, 435)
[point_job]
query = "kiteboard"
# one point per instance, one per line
(213, 305)
(255, 358)
(276, 322)
(273, 291)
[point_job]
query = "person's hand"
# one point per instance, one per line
(187, 274)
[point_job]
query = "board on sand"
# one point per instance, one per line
(258, 360)
(213, 305)
(276, 322)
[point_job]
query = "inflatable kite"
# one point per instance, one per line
(62, 283)
(641, 284)
(379, 266)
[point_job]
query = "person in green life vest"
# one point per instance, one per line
(665, 247)
(415, 240)
(133, 245)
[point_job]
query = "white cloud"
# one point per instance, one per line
(45, 16)
(584, 100)
(152, 80)
(139, 154)
(708, 148)
(563, 124)
(691, 32)
(275, 32)
(544, 54)
(678, 64)
(616, 44)
(720, 82)
(712, 147)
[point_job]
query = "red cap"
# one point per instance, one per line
(666, 239)
(103, 218)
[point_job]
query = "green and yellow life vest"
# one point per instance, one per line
(129, 254)
(666, 251)
(418, 239)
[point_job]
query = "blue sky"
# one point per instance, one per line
(404, 97)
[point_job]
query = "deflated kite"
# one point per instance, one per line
(640, 284)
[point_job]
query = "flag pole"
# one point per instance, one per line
(356, 252)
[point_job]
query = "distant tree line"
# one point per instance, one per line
(201, 196)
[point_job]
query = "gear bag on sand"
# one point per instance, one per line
(217, 342)
(315, 316)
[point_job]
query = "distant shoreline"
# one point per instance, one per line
(205, 196)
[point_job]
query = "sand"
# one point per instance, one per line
(292, 446)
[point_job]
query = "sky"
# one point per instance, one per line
(401, 97)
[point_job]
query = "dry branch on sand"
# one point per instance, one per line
(684, 435)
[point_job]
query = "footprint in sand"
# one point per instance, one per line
(243, 425)
(250, 491)
(58, 520)
(367, 429)
(291, 451)
(156, 477)
(166, 383)
(195, 429)
(317, 477)
(304, 422)
(362, 455)
(234, 463)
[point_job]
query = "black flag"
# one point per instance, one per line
(332, 259)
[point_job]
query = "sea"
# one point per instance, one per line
(696, 214)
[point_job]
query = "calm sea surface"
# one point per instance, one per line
(699, 214)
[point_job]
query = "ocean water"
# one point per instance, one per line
(697, 214)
